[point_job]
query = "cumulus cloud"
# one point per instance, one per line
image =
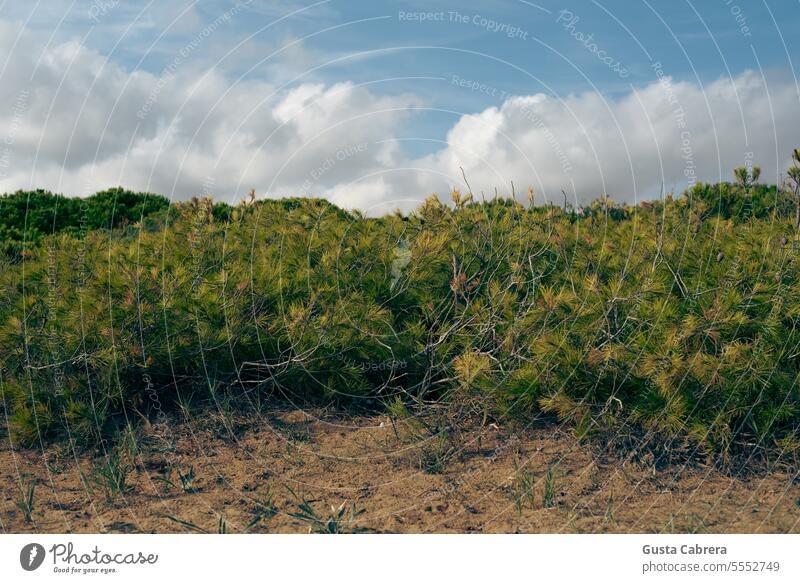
(76, 122)
(84, 123)
(667, 132)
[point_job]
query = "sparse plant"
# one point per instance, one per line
(25, 501)
(434, 456)
(187, 480)
(166, 479)
(549, 497)
(188, 525)
(523, 488)
(223, 414)
(609, 511)
(222, 525)
(263, 509)
(112, 475)
(294, 454)
(397, 409)
(127, 444)
(185, 403)
(339, 520)
(53, 465)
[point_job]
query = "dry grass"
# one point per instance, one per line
(289, 464)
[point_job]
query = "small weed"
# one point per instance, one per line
(224, 415)
(166, 479)
(185, 404)
(52, 464)
(338, 520)
(86, 482)
(688, 524)
(186, 480)
(222, 525)
(433, 458)
(127, 444)
(695, 524)
(293, 454)
(186, 524)
(523, 489)
(550, 486)
(112, 475)
(397, 409)
(609, 514)
(262, 509)
(25, 501)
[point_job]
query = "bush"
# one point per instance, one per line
(649, 318)
(27, 216)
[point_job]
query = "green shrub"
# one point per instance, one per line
(675, 319)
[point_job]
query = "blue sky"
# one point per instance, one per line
(441, 65)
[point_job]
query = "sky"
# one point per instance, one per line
(375, 105)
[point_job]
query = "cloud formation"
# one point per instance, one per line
(85, 123)
(670, 132)
(76, 122)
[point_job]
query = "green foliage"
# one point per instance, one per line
(523, 488)
(187, 481)
(549, 496)
(25, 501)
(742, 200)
(676, 319)
(112, 474)
(338, 521)
(434, 457)
(27, 216)
(263, 509)
(222, 526)
(746, 177)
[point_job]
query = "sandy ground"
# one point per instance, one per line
(495, 480)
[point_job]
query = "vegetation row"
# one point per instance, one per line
(676, 319)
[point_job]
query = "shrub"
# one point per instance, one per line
(675, 319)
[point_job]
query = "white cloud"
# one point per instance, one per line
(78, 131)
(87, 124)
(667, 131)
